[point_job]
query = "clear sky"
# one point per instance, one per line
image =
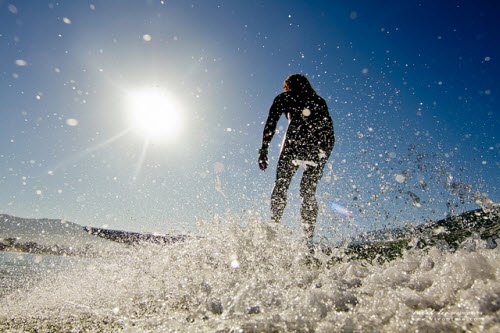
(412, 87)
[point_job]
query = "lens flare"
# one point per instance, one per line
(340, 210)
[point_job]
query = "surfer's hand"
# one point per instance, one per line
(263, 164)
(263, 159)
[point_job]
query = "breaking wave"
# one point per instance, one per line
(257, 277)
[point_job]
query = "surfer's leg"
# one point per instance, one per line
(285, 171)
(309, 208)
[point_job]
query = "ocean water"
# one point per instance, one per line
(23, 271)
(253, 278)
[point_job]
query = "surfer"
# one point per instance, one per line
(308, 142)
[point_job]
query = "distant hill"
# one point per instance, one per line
(450, 233)
(61, 237)
(128, 237)
(53, 236)
(49, 236)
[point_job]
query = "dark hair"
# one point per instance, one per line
(298, 83)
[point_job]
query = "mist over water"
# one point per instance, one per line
(255, 277)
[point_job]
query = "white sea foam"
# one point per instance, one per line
(256, 278)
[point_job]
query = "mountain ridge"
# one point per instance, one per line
(58, 236)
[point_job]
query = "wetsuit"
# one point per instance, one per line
(308, 142)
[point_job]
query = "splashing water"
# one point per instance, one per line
(258, 278)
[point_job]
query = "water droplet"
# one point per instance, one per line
(400, 178)
(72, 122)
(21, 62)
(12, 9)
(235, 264)
(218, 167)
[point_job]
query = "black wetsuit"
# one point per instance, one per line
(308, 141)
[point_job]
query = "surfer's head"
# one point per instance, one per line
(297, 83)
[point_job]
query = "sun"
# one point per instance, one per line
(154, 114)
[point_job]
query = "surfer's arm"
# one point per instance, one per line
(328, 138)
(331, 134)
(271, 123)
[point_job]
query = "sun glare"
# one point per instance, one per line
(154, 114)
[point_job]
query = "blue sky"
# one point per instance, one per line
(410, 86)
